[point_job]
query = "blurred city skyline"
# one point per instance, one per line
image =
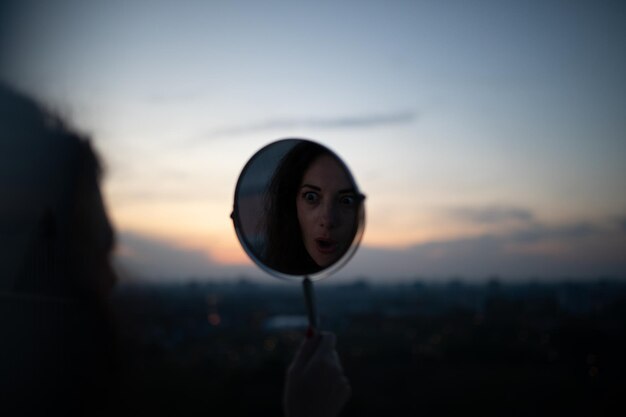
(489, 138)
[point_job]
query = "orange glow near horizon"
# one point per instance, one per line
(205, 227)
(186, 226)
(230, 256)
(224, 251)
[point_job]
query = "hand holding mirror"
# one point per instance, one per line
(298, 212)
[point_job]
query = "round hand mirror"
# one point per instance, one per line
(298, 211)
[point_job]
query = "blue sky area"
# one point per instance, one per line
(489, 136)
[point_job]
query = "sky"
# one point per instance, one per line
(488, 136)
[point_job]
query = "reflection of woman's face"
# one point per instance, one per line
(327, 204)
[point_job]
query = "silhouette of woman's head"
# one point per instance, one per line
(61, 236)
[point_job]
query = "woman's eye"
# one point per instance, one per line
(347, 200)
(310, 196)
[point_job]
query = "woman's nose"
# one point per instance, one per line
(328, 215)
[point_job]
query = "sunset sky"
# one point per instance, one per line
(488, 136)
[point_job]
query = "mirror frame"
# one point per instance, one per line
(243, 240)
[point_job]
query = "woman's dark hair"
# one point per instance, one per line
(285, 250)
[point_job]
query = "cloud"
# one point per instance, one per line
(528, 229)
(348, 122)
(538, 232)
(141, 257)
(573, 250)
(492, 214)
(176, 96)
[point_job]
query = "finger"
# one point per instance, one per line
(305, 353)
(326, 349)
(325, 357)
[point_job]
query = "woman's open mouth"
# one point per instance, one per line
(326, 246)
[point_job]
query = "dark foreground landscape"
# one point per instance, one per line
(418, 349)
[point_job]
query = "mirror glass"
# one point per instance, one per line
(298, 211)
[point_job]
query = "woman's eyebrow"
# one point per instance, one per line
(314, 187)
(347, 190)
